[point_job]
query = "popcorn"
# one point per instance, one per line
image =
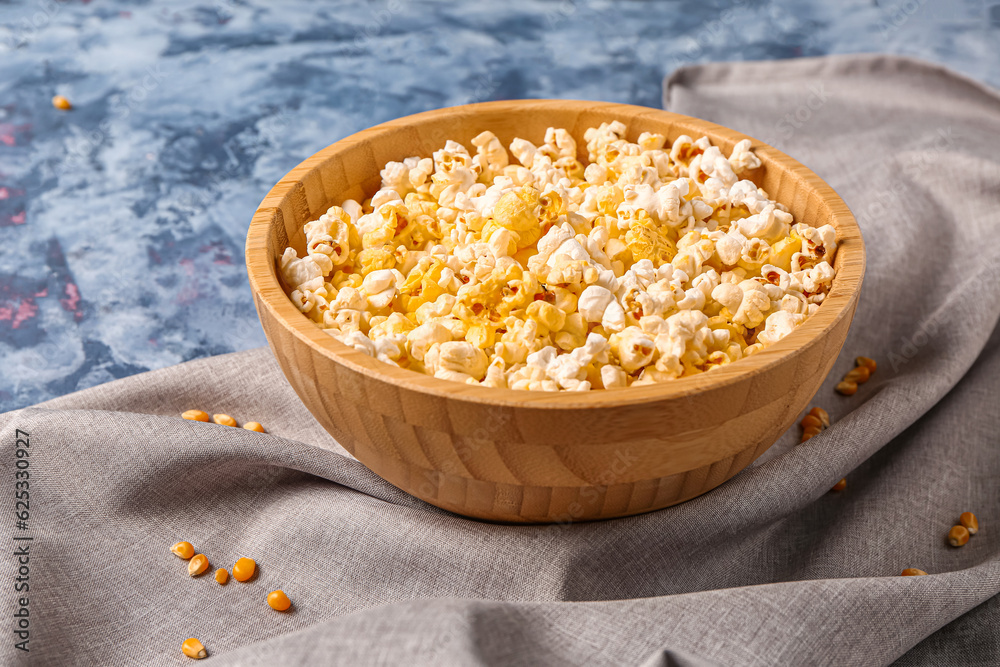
(770, 224)
(300, 273)
(390, 348)
(425, 336)
(517, 211)
(594, 301)
(729, 295)
(524, 268)
(380, 287)
(573, 333)
(778, 325)
(815, 280)
(614, 317)
(569, 370)
(613, 376)
(633, 349)
(328, 239)
(753, 305)
(491, 158)
(457, 357)
(359, 342)
(495, 376)
(548, 317)
(742, 158)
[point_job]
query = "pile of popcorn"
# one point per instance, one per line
(646, 264)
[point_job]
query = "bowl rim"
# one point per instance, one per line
(838, 304)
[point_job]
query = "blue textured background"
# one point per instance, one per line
(122, 221)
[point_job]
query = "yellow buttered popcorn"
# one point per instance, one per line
(375, 259)
(548, 317)
(518, 211)
(645, 240)
(527, 268)
(422, 285)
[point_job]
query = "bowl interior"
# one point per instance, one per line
(350, 169)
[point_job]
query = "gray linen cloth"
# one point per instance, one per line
(770, 568)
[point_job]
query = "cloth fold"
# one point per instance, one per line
(770, 568)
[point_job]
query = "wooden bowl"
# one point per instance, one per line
(529, 457)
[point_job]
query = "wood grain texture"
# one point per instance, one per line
(529, 457)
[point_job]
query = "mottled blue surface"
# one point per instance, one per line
(122, 222)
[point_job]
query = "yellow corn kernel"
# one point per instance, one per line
(811, 431)
(971, 523)
(867, 362)
(225, 420)
(222, 576)
(60, 102)
(183, 550)
(193, 648)
(254, 426)
(846, 388)
(958, 535)
(244, 569)
(840, 486)
(278, 600)
(858, 375)
(195, 415)
(822, 415)
(913, 572)
(811, 421)
(197, 565)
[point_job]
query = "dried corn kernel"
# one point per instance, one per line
(197, 565)
(805, 436)
(812, 431)
(225, 420)
(811, 421)
(193, 648)
(60, 102)
(244, 569)
(840, 486)
(195, 415)
(222, 575)
(970, 522)
(958, 535)
(822, 415)
(867, 363)
(846, 388)
(183, 550)
(278, 600)
(913, 572)
(858, 374)
(254, 426)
